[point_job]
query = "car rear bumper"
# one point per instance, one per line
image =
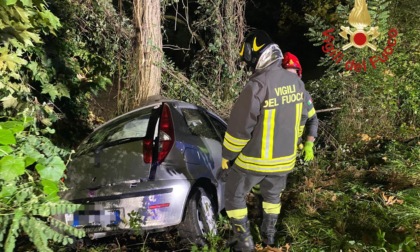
(149, 206)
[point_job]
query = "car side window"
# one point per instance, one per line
(198, 124)
(220, 127)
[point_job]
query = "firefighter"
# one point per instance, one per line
(309, 118)
(261, 138)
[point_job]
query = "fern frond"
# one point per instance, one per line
(38, 233)
(80, 233)
(13, 231)
(52, 208)
(4, 223)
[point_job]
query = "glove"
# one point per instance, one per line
(308, 150)
(225, 163)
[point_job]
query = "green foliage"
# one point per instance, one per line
(345, 204)
(91, 51)
(135, 221)
(212, 73)
(175, 87)
(50, 53)
(217, 62)
(362, 194)
(31, 168)
(93, 46)
(22, 24)
(405, 66)
(216, 242)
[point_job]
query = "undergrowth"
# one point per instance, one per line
(356, 204)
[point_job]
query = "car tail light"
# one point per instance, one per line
(166, 138)
(166, 134)
(163, 205)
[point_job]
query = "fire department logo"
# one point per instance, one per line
(360, 35)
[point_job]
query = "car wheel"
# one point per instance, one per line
(199, 219)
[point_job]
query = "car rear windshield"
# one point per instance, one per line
(130, 126)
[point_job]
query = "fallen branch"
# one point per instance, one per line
(326, 110)
(208, 103)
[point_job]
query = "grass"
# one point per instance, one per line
(356, 204)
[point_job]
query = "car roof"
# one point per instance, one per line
(180, 103)
(148, 104)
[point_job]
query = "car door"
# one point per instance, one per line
(220, 127)
(200, 125)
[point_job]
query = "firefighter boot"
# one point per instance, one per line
(242, 238)
(268, 228)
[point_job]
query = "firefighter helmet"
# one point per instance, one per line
(254, 46)
(291, 61)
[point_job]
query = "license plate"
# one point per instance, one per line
(94, 218)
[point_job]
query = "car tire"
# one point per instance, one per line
(199, 219)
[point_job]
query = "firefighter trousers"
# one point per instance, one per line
(239, 183)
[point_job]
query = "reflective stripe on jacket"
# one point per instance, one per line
(263, 128)
(309, 118)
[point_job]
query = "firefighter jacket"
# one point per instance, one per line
(309, 119)
(263, 128)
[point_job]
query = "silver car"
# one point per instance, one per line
(159, 165)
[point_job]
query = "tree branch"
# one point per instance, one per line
(326, 110)
(194, 34)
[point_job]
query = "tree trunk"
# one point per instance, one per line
(233, 35)
(145, 78)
